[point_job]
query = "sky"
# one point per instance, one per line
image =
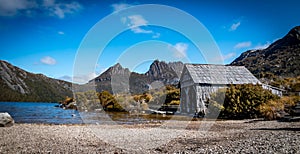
(81, 39)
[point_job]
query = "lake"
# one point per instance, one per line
(47, 113)
(28, 112)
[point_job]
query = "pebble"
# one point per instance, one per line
(238, 137)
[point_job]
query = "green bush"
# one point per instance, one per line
(241, 101)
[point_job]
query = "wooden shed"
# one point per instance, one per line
(198, 81)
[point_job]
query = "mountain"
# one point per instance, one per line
(117, 79)
(281, 58)
(168, 73)
(19, 85)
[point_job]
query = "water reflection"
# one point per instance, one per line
(28, 112)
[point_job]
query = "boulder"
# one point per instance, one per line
(6, 120)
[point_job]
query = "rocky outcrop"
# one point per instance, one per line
(115, 79)
(6, 120)
(281, 58)
(19, 85)
(13, 81)
(168, 73)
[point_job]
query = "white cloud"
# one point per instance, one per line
(61, 9)
(120, 6)
(12, 7)
(66, 78)
(137, 20)
(228, 56)
(179, 49)
(134, 22)
(234, 26)
(34, 7)
(222, 58)
(61, 32)
(48, 60)
(140, 30)
(242, 45)
(81, 79)
(266, 45)
(262, 46)
(84, 78)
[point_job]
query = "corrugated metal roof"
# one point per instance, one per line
(220, 74)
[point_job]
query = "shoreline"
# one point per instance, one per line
(221, 137)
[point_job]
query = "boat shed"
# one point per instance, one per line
(198, 81)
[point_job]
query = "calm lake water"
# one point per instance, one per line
(27, 112)
(47, 113)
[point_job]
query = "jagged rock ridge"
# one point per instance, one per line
(117, 79)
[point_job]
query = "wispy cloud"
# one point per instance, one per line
(120, 6)
(48, 60)
(179, 49)
(266, 45)
(222, 58)
(262, 46)
(228, 56)
(84, 78)
(12, 7)
(242, 45)
(61, 9)
(60, 32)
(38, 7)
(134, 22)
(66, 78)
(137, 23)
(234, 26)
(79, 79)
(140, 30)
(137, 20)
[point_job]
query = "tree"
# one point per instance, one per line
(109, 102)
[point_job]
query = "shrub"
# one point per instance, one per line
(240, 101)
(109, 102)
(273, 108)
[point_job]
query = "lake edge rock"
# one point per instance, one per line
(6, 120)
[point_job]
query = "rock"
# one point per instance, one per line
(6, 120)
(72, 105)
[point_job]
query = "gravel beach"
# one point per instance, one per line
(241, 136)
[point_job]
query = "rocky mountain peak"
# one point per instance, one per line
(161, 69)
(167, 73)
(157, 69)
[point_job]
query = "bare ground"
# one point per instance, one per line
(198, 137)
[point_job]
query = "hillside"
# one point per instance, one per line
(19, 85)
(281, 58)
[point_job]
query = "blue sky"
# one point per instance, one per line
(43, 36)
